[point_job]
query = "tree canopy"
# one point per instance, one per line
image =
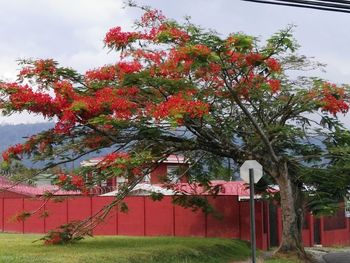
(180, 89)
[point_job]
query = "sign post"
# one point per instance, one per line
(251, 172)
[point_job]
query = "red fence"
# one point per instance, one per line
(325, 231)
(144, 218)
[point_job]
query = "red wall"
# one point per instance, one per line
(133, 221)
(144, 217)
(109, 225)
(2, 214)
(159, 217)
(11, 208)
(189, 224)
(335, 236)
(57, 214)
(35, 223)
(9, 194)
(261, 237)
(227, 222)
(328, 237)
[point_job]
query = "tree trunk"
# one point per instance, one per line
(292, 215)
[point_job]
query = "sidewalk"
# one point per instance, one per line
(330, 254)
(337, 257)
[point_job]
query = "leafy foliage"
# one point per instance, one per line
(178, 88)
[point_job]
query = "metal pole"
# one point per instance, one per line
(252, 215)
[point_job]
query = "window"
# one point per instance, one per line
(173, 173)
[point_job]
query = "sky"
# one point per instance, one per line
(72, 31)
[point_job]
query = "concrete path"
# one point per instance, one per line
(337, 257)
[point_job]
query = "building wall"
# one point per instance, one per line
(158, 175)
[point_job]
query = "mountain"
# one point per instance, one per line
(13, 134)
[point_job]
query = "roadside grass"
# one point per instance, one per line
(18, 248)
(283, 259)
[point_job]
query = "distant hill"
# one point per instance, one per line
(13, 134)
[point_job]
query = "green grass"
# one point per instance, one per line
(283, 260)
(278, 260)
(19, 248)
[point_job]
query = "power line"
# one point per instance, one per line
(335, 6)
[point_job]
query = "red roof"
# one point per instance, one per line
(25, 189)
(239, 188)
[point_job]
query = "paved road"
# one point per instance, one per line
(337, 257)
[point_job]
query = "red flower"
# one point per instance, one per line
(116, 159)
(62, 178)
(115, 38)
(177, 106)
(172, 32)
(151, 16)
(253, 59)
(55, 238)
(77, 181)
(333, 99)
(273, 65)
(5, 156)
(103, 73)
(129, 67)
(275, 85)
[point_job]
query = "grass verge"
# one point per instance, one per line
(283, 259)
(118, 249)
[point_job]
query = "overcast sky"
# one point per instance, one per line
(71, 31)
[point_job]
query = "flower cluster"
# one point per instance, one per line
(235, 57)
(333, 99)
(116, 38)
(39, 67)
(53, 238)
(168, 32)
(275, 85)
(71, 182)
(22, 97)
(129, 67)
(156, 57)
(15, 151)
(62, 235)
(273, 65)
(100, 74)
(178, 106)
(115, 159)
(150, 17)
(254, 59)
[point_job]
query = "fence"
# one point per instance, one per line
(326, 231)
(144, 217)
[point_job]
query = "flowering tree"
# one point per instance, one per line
(180, 89)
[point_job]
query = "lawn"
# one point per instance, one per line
(282, 260)
(19, 248)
